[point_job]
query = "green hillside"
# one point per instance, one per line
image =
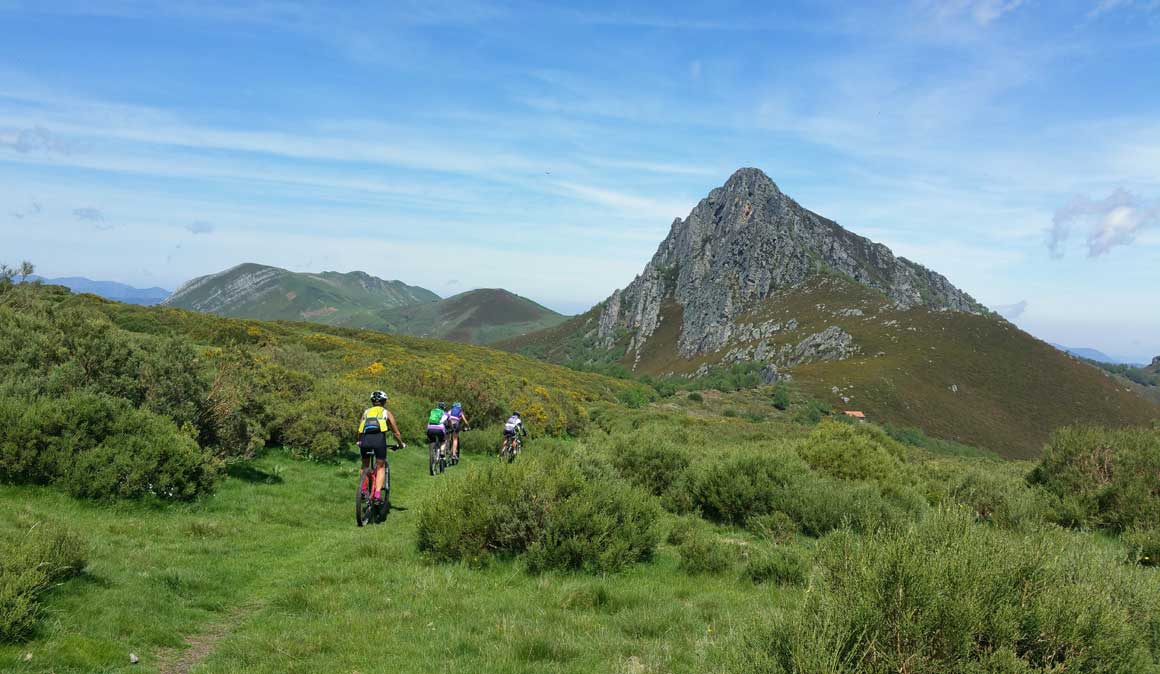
(359, 300)
(971, 378)
(269, 293)
(193, 509)
(475, 317)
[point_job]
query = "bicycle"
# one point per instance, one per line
(365, 509)
(436, 458)
(510, 449)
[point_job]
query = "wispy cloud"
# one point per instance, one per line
(34, 139)
(200, 227)
(1113, 221)
(1011, 311)
(94, 216)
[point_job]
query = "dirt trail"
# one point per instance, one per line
(201, 645)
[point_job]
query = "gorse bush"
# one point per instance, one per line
(946, 595)
(705, 553)
(1112, 477)
(29, 566)
(97, 446)
(778, 564)
(560, 515)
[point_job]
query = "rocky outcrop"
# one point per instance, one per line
(833, 343)
(746, 242)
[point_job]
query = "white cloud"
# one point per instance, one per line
(1115, 220)
(1011, 311)
(200, 227)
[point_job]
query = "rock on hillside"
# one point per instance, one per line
(746, 242)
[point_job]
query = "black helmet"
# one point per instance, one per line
(441, 406)
(515, 414)
(378, 397)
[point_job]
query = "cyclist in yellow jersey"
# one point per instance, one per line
(372, 438)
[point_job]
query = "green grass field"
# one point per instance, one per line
(271, 575)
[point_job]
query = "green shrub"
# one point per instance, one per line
(100, 447)
(655, 466)
(1113, 475)
(1143, 546)
(1003, 500)
(705, 553)
(781, 398)
(696, 397)
(556, 515)
(777, 526)
(779, 564)
(854, 452)
(683, 529)
(947, 595)
(742, 488)
(30, 566)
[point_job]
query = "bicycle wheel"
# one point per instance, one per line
(362, 500)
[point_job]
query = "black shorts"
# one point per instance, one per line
(509, 434)
(453, 425)
(374, 443)
(436, 435)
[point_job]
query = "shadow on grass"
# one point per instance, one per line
(248, 473)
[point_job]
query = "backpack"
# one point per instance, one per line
(511, 423)
(456, 412)
(435, 418)
(374, 424)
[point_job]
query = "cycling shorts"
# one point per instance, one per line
(374, 443)
(436, 433)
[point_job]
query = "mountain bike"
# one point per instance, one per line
(509, 450)
(366, 511)
(437, 457)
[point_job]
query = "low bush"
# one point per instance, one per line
(1001, 499)
(938, 597)
(777, 526)
(656, 466)
(1112, 475)
(29, 567)
(705, 553)
(854, 452)
(685, 528)
(1143, 546)
(97, 446)
(741, 489)
(778, 564)
(696, 397)
(561, 515)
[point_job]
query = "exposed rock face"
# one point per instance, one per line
(744, 243)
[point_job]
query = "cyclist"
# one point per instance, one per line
(372, 439)
(513, 428)
(456, 419)
(437, 426)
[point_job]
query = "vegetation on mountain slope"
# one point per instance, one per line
(159, 397)
(269, 293)
(358, 300)
(969, 378)
(474, 317)
(707, 531)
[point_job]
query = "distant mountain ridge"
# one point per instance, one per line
(1093, 354)
(750, 279)
(111, 290)
(357, 299)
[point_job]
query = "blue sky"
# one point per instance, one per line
(1012, 145)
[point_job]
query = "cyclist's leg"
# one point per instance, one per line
(380, 474)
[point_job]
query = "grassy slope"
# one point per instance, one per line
(302, 590)
(1013, 389)
(328, 297)
(475, 317)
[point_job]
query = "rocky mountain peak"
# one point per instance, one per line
(746, 242)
